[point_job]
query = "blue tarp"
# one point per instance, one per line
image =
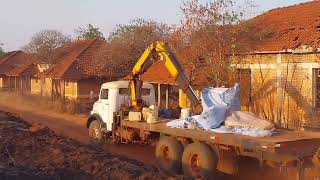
(217, 103)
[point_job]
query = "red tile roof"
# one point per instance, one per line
(76, 60)
(158, 73)
(7, 56)
(29, 69)
(13, 62)
(289, 27)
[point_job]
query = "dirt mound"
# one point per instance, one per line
(15, 173)
(289, 27)
(50, 156)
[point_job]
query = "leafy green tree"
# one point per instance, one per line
(143, 30)
(89, 32)
(44, 44)
(128, 41)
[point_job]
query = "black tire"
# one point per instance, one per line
(169, 152)
(95, 133)
(199, 161)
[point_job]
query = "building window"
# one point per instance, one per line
(317, 87)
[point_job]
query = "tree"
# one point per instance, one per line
(127, 42)
(2, 52)
(212, 32)
(45, 43)
(143, 30)
(90, 32)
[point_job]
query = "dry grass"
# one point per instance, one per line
(43, 103)
(71, 106)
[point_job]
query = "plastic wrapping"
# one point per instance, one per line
(220, 108)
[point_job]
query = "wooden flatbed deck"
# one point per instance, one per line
(304, 140)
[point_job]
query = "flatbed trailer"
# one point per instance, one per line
(284, 149)
(198, 153)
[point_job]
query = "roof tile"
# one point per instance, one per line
(158, 73)
(289, 27)
(14, 62)
(75, 60)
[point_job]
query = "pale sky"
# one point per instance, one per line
(20, 19)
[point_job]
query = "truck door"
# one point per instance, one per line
(104, 104)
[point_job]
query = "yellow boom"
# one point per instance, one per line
(159, 51)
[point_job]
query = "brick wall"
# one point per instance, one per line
(264, 92)
(35, 86)
(3, 82)
(297, 101)
(282, 87)
(71, 89)
(46, 87)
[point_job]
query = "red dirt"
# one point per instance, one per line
(289, 27)
(38, 153)
(38, 150)
(73, 126)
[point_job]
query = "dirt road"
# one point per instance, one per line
(33, 151)
(74, 126)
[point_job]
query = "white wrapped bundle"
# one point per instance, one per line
(239, 119)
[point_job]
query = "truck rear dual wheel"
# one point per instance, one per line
(199, 161)
(169, 152)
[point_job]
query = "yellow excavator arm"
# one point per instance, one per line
(159, 51)
(158, 48)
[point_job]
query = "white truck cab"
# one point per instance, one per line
(112, 96)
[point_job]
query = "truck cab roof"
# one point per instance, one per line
(122, 84)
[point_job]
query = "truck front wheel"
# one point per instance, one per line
(168, 152)
(95, 132)
(199, 161)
